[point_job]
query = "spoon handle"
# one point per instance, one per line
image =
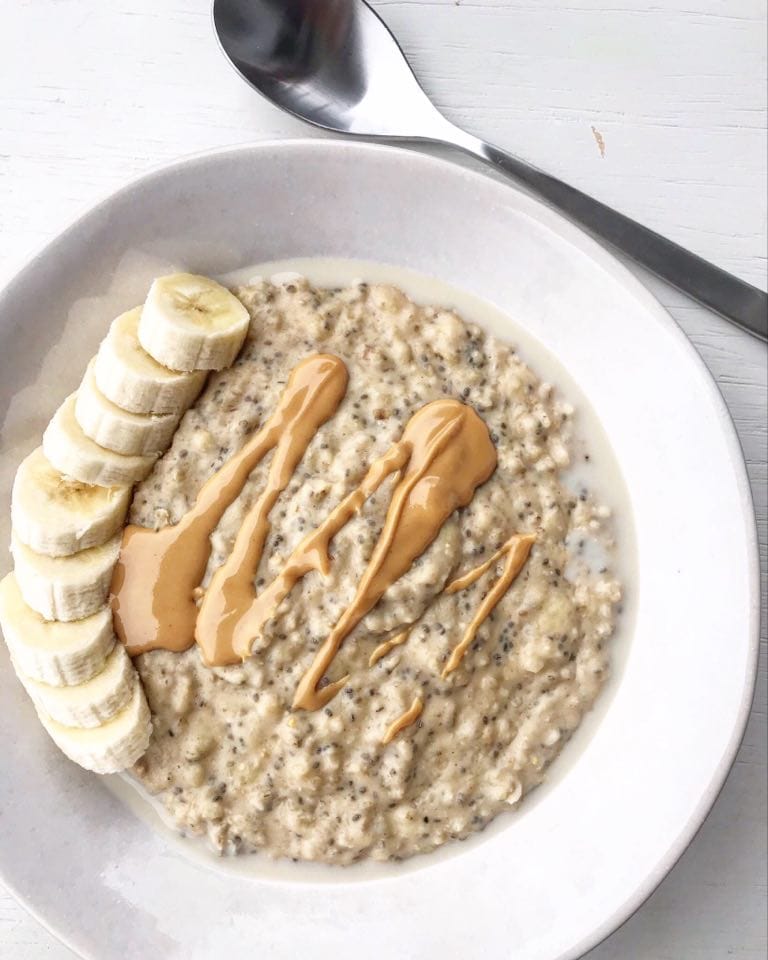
(739, 302)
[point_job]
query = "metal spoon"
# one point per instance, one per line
(335, 64)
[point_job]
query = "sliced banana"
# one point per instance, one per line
(75, 455)
(59, 654)
(65, 588)
(91, 703)
(192, 323)
(117, 429)
(111, 747)
(128, 376)
(59, 516)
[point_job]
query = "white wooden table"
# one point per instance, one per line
(658, 109)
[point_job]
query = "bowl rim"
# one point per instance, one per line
(603, 257)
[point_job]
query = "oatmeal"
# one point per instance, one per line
(443, 704)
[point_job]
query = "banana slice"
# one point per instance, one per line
(65, 588)
(192, 323)
(59, 654)
(134, 381)
(117, 429)
(91, 703)
(75, 455)
(114, 745)
(57, 516)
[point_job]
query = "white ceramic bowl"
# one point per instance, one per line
(548, 883)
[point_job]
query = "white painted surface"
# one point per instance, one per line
(95, 94)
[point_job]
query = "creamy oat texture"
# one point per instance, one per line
(228, 757)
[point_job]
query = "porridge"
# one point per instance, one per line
(414, 673)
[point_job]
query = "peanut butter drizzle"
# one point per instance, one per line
(460, 583)
(450, 455)
(312, 552)
(383, 648)
(158, 572)
(404, 720)
(231, 589)
(517, 549)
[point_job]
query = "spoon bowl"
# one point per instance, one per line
(333, 64)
